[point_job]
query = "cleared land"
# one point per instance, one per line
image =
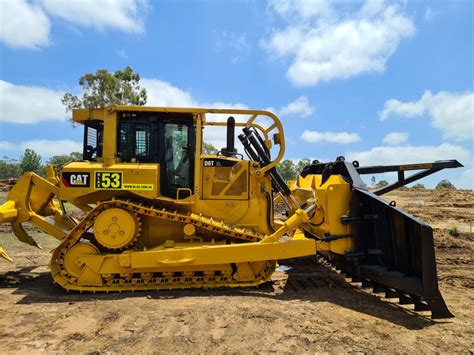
(309, 308)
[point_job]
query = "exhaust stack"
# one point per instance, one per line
(230, 150)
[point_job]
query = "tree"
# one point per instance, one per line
(301, 164)
(76, 156)
(381, 183)
(59, 160)
(9, 168)
(287, 170)
(418, 186)
(445, 184)
(103, 89)
(30, 161)
(208, 149)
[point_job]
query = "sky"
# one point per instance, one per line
(378, 82)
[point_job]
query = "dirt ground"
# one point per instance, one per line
(309, 308)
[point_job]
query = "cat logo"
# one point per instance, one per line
(76, 179)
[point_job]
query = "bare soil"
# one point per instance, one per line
(310, 308)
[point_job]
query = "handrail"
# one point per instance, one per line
(274, 125)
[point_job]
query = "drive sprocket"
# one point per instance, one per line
(116, 228)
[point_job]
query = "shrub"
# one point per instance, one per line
(381, 183)
(453, 232)
(30, 161)
(9, 168)
(287, 170)
(445, 184)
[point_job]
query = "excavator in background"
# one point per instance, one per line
(157, 213)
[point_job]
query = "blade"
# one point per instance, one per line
(394, 251)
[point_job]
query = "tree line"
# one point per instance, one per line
(31, 161)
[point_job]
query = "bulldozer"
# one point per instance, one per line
(156, 212)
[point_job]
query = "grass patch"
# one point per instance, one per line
(453, 232)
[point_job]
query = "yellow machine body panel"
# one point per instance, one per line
(225, 179)
(89, 182)
(332, 198)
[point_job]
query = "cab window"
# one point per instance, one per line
(135, 141)
(93, 140)
(177, 157)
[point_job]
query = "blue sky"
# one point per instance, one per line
(380, 82)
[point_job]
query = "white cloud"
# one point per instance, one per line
(327, 42)
(331, 137)
(466, 180)
(395, 138)
(44, 147)
(26, 24)
(23, 25)
(124, 15)
(233, 44)
(452, 113)
(6, 146)
(30, 104)
(162, 93)
(48, 148)
(409, 154)
(299, 107)
(217, 137)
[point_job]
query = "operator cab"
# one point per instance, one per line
(163, 138)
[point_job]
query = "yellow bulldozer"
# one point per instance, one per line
(157, 213)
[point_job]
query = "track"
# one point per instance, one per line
(188, 278)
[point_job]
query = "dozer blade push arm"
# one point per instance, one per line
(290, 225)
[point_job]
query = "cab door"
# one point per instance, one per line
(177, 158)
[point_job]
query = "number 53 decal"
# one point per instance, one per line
(108, 180)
